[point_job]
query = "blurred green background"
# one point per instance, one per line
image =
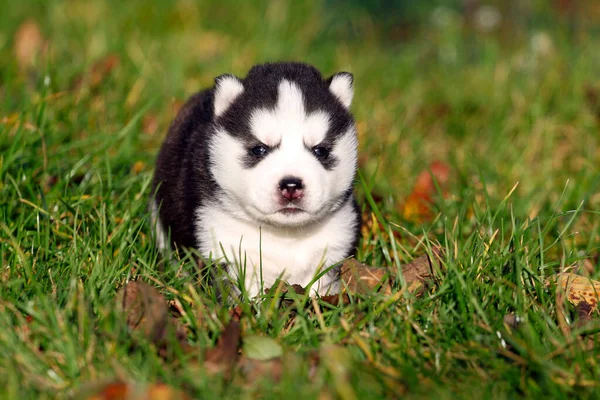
(436, 79)
(499, 95)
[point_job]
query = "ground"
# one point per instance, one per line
(502, 107)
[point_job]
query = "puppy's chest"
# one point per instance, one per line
(295, 254)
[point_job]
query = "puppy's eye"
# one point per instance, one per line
(260, 150)
(321, 152)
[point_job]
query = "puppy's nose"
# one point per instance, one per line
(291, 188)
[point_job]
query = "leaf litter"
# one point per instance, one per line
(248, 358)
(251, 357)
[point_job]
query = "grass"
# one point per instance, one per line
(77, 148)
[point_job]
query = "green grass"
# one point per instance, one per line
(76, 163)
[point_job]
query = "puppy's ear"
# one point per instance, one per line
(227, 89)
(342, 86)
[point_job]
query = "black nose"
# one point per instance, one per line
(291, 188)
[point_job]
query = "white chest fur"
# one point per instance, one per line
(296, 255)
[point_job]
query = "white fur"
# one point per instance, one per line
(341, 86)
(160, 236)
(249, 210)
(266, 126)
(289, 119)
(227, 89)
(292, 254)
(254, 193)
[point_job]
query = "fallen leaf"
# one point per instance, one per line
(261, 348)
(28, 44)
(360, 278)
(565, 8)
(98, 73)
(252, 370)
(236, 313)
(102, 68)
(587, 325)
(420, 270)
(126, 391)
(222, 358)
(110, 391)
(584, 313)
(579, 288)
(288, 294)
(164, 392)
(150, 124)
(176, 105)
(138, 167)
(146, 310)
(417, 206)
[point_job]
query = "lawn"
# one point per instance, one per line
(503, 112)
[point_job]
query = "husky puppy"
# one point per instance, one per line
(257, 174)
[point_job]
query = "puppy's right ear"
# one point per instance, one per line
(227, 89)
(342, 86)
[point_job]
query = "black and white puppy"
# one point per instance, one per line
(258, 172)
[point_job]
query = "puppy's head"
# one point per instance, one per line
(284, 150)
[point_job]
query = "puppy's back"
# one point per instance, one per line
(182, 178)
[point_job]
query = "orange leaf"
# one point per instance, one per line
(112, 391)
(138, 167)
(579, 289)
(123, 391)
(150, 124)
(418, 204)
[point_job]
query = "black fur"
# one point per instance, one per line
(260, 91)
(182, 180)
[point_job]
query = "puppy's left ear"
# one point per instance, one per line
(227, 89)
(342, 86)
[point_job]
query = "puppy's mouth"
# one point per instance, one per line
(290, 210)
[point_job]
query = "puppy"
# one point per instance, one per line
(256, 174)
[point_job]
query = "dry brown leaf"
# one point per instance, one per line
(28, 44)
(420, 270)
(138, 167)
(150, 124)
(584, 313)
(102, 68)
(252, 370)
(587, 326)
(362, 279)
(579, 288)
(335, 299)
(111, 391)
(98, 73)
(236, 313)
(223, 357)
(146, 310)
(417, 206)
(176, 105)
(125, 391)
(164, 392)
